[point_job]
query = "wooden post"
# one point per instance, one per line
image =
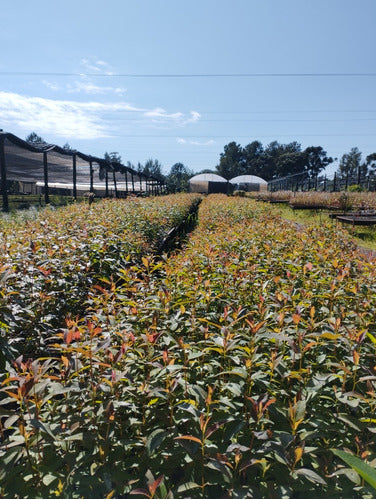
(334, 182)
(132, 182)
(45, 170)
(114, 178)
(106, 194)
(91, 177)
(3, 171)
(126, 182)
(74, 176)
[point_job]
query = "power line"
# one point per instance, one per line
(254, 112)
(291, 111)
(258, 120)
(252, 134)
(188, 75)
(292, 120)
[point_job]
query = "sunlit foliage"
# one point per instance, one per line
(232, 368)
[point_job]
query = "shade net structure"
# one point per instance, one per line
(47, 169)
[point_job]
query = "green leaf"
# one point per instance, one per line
(38, 424)
(93, 468)
(367, 472)
(155, 439)
(300, 410)
(10, 421)
(311, 475)
(48, 479)
(351, 474)
(371, 337)
(349, 420)
(187, 486)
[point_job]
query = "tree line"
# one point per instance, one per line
(273, 161)
(352, 165)
(278, 160)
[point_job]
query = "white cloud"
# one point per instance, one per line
(74, 119)
(160, 115)
(84, 86)
(206, 143)
(195, 116)
(101, 63)
(87, 87)
(97, 66)
(62, 118)
(51, 85)
(180, 140)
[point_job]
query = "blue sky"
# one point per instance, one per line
(97, 75)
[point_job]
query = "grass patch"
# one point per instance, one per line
(364, 236)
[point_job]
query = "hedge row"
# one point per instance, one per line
(230, 369)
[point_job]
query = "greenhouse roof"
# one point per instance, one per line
(247, 179)
(208, 178)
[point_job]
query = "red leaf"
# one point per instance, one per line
(65, 361)
(76, 335)
(140, 491)
(153, 487)
(214, 427)
(190, 438)
(68, 336)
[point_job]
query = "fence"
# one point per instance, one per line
(46, 169)
(304, 182)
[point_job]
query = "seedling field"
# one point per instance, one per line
(231, 368)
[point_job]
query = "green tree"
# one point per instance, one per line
(113, 157)
(315, 160)
(350, 164)
(231, 162)
(68, 147)
(273, 161)
(254, 159)
(282, 160)
(371, 164)
(35, 139)
(207, 171)
(289, 163)
(153, 168)
(178, 178)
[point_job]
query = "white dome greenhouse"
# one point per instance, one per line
(248, 183)
(208, 183)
